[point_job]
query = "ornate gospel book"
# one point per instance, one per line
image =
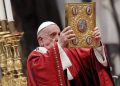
(82, 18)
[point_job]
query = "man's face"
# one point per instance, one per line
(49, 35)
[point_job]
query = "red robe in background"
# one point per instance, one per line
(46, 69)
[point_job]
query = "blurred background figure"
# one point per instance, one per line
(29, 14)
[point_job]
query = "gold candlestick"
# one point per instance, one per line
(3, 61)
(10, 58)
(9, 53)
(21, 80)
(10, 62)
(3, 65)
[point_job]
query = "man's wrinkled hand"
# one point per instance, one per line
(65, 36)
(96, 34)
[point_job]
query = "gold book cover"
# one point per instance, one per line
(82, 18)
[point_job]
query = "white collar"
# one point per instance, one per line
(41, 50)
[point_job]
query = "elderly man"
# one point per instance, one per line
(52, 64)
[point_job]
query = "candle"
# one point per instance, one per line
(9, 10)
(2, 11)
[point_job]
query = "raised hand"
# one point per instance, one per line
(96, 34)
(65, 36)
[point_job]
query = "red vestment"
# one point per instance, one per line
(46, 69)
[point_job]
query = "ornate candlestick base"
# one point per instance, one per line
(10, 60)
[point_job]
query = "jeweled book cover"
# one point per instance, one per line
(82, 18)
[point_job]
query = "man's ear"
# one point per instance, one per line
(40, 39)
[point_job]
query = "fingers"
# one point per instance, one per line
(97, 37)
(66, 35)
(70, 31)
(96, 33)
(71, 36)
(96, 28)
(66, 29)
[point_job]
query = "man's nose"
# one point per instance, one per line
(56, 39)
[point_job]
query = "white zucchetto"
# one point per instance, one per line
(43, 25)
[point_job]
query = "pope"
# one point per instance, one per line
(52, 64)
